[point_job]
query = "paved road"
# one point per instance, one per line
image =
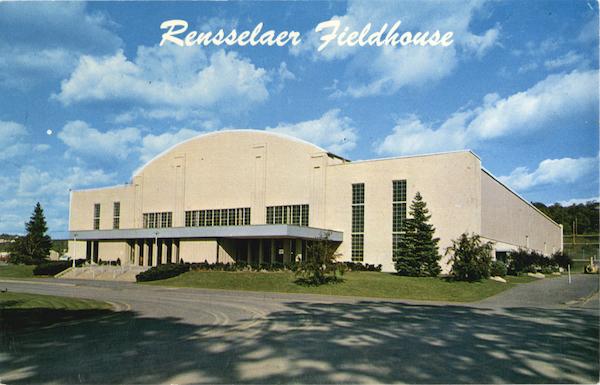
(168, 335)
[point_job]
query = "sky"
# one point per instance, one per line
(88, 95)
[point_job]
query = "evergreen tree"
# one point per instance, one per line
(417, 252)
(33, 247)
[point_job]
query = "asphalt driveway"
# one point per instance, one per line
(544, 332)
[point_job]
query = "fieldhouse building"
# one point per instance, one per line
(260, 197)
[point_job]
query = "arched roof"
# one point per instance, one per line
(229, 132)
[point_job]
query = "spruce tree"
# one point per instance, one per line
(417, 253)
(33, 247)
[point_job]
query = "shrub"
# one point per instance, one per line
(498, 269)
(319, 267)
(523, 261)
(470, 258)
(51, 268)
(562, 259)
(162, 272)
(356, 266)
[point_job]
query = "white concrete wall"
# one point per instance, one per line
(514, 223)
(449, 184)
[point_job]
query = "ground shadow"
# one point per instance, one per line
(309, 342)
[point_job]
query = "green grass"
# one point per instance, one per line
(362, 284)
(29, 313)
(16, 271)
(12, 300)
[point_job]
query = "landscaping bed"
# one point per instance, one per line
(360, 284)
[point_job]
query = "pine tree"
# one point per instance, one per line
(35, 246)
(417, 253)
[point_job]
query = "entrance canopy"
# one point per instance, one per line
(250, 231)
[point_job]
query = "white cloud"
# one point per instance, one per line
(34, 182)
(556, 97)
(50, 187)
(578, 201)
(331, 131)
(45, 39)
(90, 142)
(550, 171)
(569, 59)
(12, 135)
(153, 145)
(389, 69)
(168, 77)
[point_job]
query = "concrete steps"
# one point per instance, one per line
(103, 273)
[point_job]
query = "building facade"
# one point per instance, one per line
(258, 197)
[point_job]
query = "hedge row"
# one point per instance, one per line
(522, 261)
(172, 270)
(51, 267)
(162, 272)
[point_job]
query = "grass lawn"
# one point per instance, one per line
(12, 300)
(27, 313)
(16, 271)
(363, 284)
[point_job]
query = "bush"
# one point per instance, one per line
(51, 268)
(162, 272)
(562, 259)
(470, 258)
(523, 261)
(356, 266)
(498, 269)
(319, 267)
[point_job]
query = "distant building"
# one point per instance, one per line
(260, 197)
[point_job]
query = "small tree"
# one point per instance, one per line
(417, 252)
(34, 246)
(470, 258)
(318, 266)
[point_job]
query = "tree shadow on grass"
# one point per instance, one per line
(308, 342)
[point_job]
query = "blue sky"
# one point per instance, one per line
(88, 95)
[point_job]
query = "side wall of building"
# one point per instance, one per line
(81, 214)
(513, 223)
(449, 183)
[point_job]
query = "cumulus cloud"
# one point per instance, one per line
(37, 183)
(556, 97)
(550, 171)
(12, 136)
(50, 187)
(84, 140)
(389, 69)
(331, 131)
(44, 40)
(168, 77)
(577, 201)
(153, 145)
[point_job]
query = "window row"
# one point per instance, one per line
(157, 220)
(288, 215)
(218, 217)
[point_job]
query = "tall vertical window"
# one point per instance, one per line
(358, 222)
(398, 211)
(116, 215)
(96, 216)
